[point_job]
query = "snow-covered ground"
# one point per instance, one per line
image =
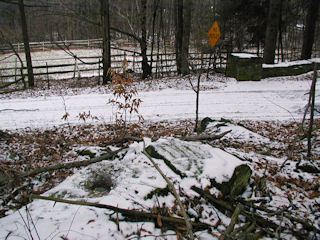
(133, 176)
(282, 98)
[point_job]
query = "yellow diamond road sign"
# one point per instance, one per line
(214, 34)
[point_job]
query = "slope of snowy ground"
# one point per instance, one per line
(130, 181)
(42, 138)
(134, 179)
(269, 99)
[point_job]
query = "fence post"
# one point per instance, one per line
(134, 62)
(99, 72)
(15, 70)
(75, 68)
(48, 75)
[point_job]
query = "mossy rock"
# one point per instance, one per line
(309, 168)
(4, 135)
(153, 153)
(159, 192)
(100, 181)
(237, 184)
(224, 120)
(247, 236)
(86, 152)
(203, 124)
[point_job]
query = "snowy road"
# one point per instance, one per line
(264, 100)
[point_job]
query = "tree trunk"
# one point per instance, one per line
(312, 108)
(146, 68)
(26, 43)
(179, 33)
(186, 37)
(106, 53)
(308, 35)
(272, 31)
(155, 8)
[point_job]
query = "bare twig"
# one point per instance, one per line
(67, 50)
(174, 192)
(312, 104)
(134, 214)
(204, 137)
(18, 56)
(301, 126)
(260, 221)
(68, 165)
(234, 219)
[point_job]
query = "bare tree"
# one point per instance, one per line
(272, 31)
(106, 52)
(26, 43)
(309, 31)
(186, 36)
(178, 11)
(183, 14)
(146, 68)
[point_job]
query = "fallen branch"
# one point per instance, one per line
(69, 165)
(254, 217)
(303, 222)
(8, 181)
(185, 138)
(133, 214)
(204, 137)
(260, 220)
(175, 194)
(233, 222)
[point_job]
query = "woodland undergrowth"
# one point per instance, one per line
(23, 151)
(30, 149)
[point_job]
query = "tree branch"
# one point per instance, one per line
(68, 165)
(233, 222)
(28, 5)
(174, 192)
(134, 215)
(259, 220)
(204, 137)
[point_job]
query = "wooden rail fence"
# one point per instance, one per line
(163, 64)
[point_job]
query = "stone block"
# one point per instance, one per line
(244, 67)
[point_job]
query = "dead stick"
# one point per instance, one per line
(67, 165)
(127, 212)
(260, 221)
(234, 219)
(204, 137)
(174, 192)
(304, 222)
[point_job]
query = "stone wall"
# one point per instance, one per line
(244, 67)
(249, 67)
(289, 68)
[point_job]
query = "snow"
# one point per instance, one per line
(221, 166)
(292, 63)
(268, 99)
(133, 175)
(244, 55)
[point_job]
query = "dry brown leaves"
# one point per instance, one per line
(30, 149)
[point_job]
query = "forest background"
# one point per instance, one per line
(279, 29)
